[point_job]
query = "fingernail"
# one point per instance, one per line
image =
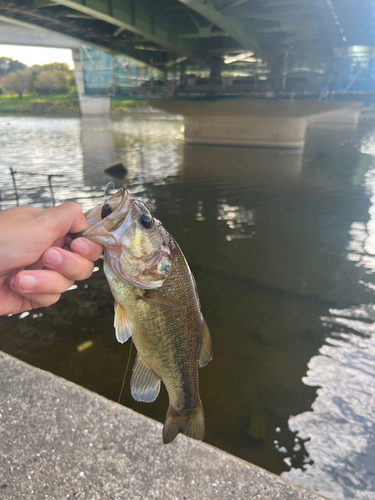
(52, 258)
(27, 282)
(81, 246)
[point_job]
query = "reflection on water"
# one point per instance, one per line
(340, 431)
(282, 248)
(150, 152)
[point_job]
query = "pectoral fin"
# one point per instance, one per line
(123, 327)
(156, 298)
(144, 384)
(207, 350)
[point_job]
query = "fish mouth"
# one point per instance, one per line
(108, 231)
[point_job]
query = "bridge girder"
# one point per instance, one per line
(132, 27)
(234, 27)
(163, 32)
(114, 12)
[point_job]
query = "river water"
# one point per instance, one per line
(282, 246)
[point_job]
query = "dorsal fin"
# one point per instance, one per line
(207, 350)
(144, 384)
(123, 327)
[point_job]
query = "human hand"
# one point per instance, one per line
(38, 260)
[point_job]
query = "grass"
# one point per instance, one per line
(118, 104)
(38, 105)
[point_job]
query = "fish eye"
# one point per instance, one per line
(106, 210)
(146, 220)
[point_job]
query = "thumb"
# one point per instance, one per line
(66, 218)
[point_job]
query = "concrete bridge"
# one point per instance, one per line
(196, 44)
(204, 32)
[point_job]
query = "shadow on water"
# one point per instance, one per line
(280, 245)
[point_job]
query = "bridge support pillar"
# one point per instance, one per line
(266, 122)
(246, 131)
(342, 116)
(90, 105)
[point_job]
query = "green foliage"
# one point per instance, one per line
(34, 71)
(67, 103)
(57, 66)
(72, 80)
(123, 105)
(41, 105)
(51, 81)
(17, 82)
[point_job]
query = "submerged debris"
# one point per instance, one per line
(117, 169)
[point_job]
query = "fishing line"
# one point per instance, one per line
(105, 190)
(126, 371)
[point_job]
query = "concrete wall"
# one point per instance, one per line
(59, 440)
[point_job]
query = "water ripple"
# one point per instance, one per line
(339, 431)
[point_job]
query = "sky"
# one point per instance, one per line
(37, 55)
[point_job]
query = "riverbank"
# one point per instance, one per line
(59, 440)
(58, 104)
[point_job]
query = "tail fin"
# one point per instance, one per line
(192, 425)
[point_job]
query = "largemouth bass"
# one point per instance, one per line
(156, 302)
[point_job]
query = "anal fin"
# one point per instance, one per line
(144, 384)
(207, 350)
(123, 327)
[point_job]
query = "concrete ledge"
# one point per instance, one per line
(60, 441)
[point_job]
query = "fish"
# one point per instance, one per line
(157, 304)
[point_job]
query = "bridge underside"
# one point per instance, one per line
(210, 35)
(15, 34)
(202, 32)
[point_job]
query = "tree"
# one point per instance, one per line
(34, 71)
(58, 66)
(17, 82)
(7, 65)
(52, 81)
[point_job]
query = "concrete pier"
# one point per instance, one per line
(60, 441)
(345, 116)
(279, 123)
(90, 105)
